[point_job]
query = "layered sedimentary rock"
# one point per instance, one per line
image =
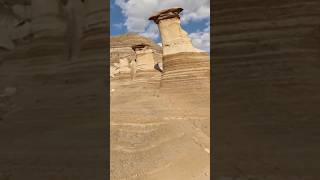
(144, 57)
(122, 49)
(121, 46)
(186, 69)
(48, 28)
(96, 26)
(74, 10)
(52, 110)
(266, 89)
(160, 124)
(187, 74)
(6, 21)
(174, 38)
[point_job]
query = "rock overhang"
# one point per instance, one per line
(166, 14)
(141, 46)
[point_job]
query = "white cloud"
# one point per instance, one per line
(201, 39)
(137, 13)
(160, 44)
(152, 31)
(118, 25)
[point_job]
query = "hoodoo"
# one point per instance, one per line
(186, 69)
(144, 56)
(174, 38)
(159, 125)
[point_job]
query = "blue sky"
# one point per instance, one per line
(131, 16)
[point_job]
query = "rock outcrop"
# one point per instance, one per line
(186, 70)
(266, 89)
(121, 46)
(144, 57)
(121, 49)
(174, 38)
(160, 125)
(96, 25)
(51, 107)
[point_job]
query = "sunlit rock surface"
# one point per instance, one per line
(174, 38)
(160, 122)
(122, 53)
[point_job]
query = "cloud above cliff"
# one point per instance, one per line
(137, 12)
(201, 39)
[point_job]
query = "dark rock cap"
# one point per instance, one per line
(166, 14)
(139, 46)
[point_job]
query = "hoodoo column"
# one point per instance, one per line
(145, 59)
(186, 69)
(174, 38)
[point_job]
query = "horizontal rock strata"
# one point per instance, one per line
(266, 84)
(152, 137)
(186, 73)
(52, 108)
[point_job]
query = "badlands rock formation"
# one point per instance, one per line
(144, 57)
(174, 38)
(52, 110)
(186, 69)
(122, 54)
(160, 125)
(266, 89)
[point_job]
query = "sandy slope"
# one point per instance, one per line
(156, 136)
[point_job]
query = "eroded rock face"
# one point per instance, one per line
(7, 22)
(145, 58)
(121, 46)
(48, 28)
(266, 97)
(121, 49)
(74, 10)
(124, 66)
(47, 19)
(49, 89)
(186, 70)
(186, 73)
(174, 38)
(95, 36)
(160, 123)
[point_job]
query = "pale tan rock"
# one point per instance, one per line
(163, 129)
(124, 66)
(174, 38)
(121, 47)
(133, 69)
(114, 70)
(145, 58)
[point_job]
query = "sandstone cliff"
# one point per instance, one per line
(52, 107)
(121, 46)
(266, 89)
(160, 122)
